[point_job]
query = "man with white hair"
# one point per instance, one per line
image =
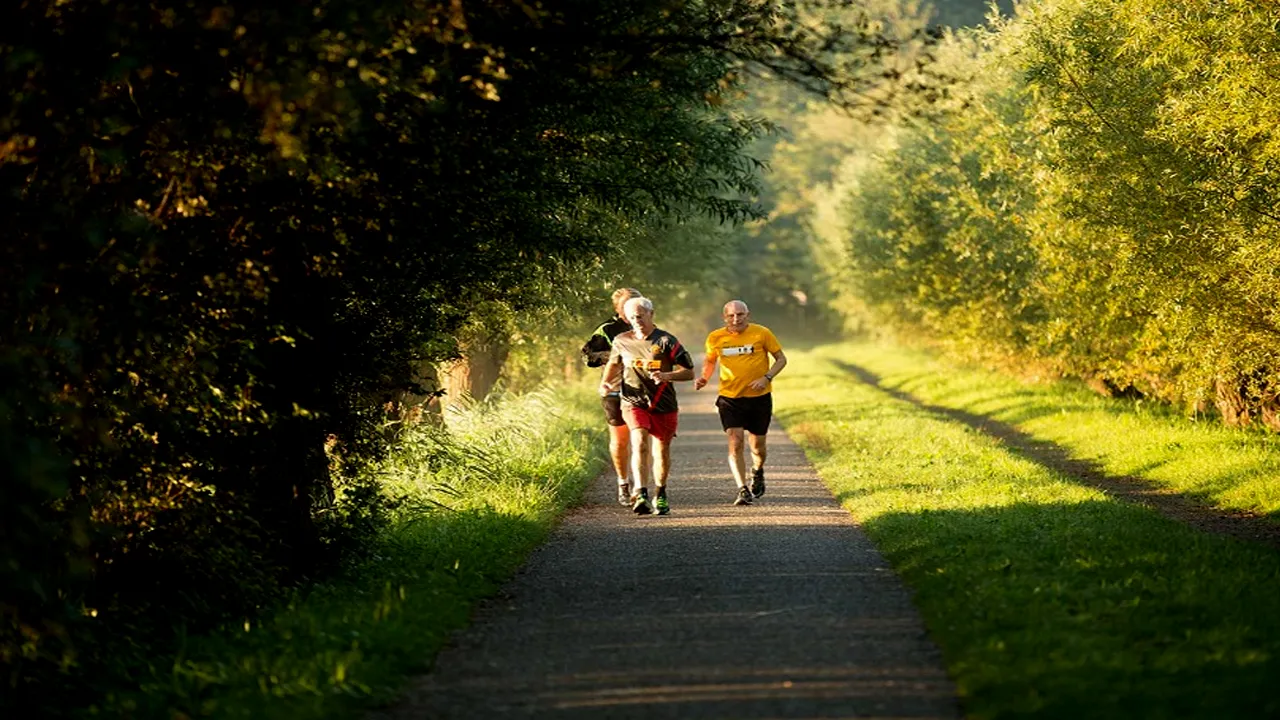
(647, 360)
(745, 400)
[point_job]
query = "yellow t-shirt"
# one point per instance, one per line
(743, 357)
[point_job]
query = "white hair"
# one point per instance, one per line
(643, 302)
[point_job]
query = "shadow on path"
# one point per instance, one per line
(1240, 525)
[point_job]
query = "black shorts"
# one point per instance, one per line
(749, 413)
(612, 409)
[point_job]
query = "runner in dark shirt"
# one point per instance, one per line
(595, 352)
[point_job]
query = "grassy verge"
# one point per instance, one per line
(1049, 598)
(475, 506)
(1215, 465)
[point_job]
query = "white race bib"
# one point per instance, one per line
(740, 350)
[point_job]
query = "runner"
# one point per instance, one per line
(646, 361)
(596, 353)
(745, 401)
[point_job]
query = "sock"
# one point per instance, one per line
(662, 491)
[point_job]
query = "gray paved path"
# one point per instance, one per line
(782, 609)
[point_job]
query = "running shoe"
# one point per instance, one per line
(744, 497)
(624, 494)
(757, 482)
(640, 503)
(661, 505)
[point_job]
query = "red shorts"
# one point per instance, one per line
(659, 425)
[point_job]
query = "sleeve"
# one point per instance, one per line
(771, 343)
(680, 354)
(595, 352)
(613, 352)
(713, 351)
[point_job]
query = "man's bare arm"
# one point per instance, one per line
(682, 373)
(708, 369)
(610, 376)
(779, 362)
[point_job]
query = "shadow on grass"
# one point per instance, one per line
(1092, 610)
(1026, 405)
(1191, 509)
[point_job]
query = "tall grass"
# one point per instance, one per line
(468, 504)
(1049, 598)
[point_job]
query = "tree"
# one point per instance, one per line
(238, 233)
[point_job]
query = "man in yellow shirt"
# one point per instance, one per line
(745, 402)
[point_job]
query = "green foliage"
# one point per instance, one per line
(236, 233)
(468, 505)
(778, 267)
(1144, 100)
(1095, 195)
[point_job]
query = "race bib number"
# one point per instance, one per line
(740, 350)
(646, 364)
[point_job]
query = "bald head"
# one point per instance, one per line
(736, 316)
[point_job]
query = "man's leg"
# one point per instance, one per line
(756, 423)
(619, 445)
(759, 453)
(641, 466)
(738, 466)
(661, 461)
(661, 466)
(736, 463)
(620, 451)
(664, 431)
(733, 430)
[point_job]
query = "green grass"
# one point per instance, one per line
(1048, 598)
(1215, 465)
(475, 506)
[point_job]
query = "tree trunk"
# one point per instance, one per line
(473, 376)
(1247, 400)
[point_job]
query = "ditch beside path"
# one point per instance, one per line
(781, 609)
